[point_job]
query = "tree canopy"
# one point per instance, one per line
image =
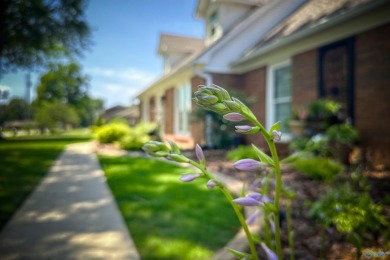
(65, 88)
(36, 32)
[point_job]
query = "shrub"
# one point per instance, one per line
(242, 152)
(112, 132)
(318, 168)
(343, 133)
(137, 136)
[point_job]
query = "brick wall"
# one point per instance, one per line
(372, 92)
(140, 109)
(152, 109)
(304, 78)
(168, 111)
(255, 87)
(228, 81)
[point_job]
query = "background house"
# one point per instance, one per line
(285, 53)
(128, 113)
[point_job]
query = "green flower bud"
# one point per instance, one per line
(233, 106)
(178, 158)
(152, 147)
(219, 108)
(225, 94)
(205, 99)
(174, 147)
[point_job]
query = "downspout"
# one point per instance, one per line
(208, 120)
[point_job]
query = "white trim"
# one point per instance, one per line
(270, 87)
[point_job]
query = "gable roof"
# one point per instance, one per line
(313, 16)
(201, 7)
(179, 44)
(310, 15)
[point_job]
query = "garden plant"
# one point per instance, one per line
(218, 100)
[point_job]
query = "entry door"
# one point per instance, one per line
(336, 75)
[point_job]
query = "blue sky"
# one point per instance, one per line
(123, 58)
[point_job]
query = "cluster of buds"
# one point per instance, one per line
(172, 153)
(218, 100)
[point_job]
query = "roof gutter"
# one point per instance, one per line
(299, 35)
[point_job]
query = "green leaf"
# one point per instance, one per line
(256, 238)
(240, 255)
(174, 147)
(263, 156)
(271, 207)
(243, 191)
(275, 127)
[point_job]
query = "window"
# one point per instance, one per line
(213, 24)
(183, 102)
(279, 95)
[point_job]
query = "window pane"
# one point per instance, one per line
(282, 114)
(282, 79)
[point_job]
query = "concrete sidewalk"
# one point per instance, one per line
(70, 215)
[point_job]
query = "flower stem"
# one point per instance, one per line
(278, 190)
(278, 180)
(235, 207)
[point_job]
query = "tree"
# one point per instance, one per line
(35, 32)
(66, 84)
(63, 82)
(55, 114)
(16, 109)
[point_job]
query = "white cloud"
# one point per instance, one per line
(117, 86)
(126, 74)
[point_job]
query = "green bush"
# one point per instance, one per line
(242, 152)
(318, 168)
(112, 132)
(343, 133)
(137, 136)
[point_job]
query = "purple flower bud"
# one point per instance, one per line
(199, 153)
(246, 201)
(243, 128)
(270, 254)
(272, 224)
(265, 199)
(276, 135)
(247, 165)
(188, 177)
(211, 184)
(255, 195)
(252, 218)
(234, 117)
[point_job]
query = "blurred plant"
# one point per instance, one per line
(241, 152)
(318, 168)
(343, 134)
(112, 132)
(218, 100)
(316, 145)
(350, 212)
(137, 136)
(299, 113)
(323, 108)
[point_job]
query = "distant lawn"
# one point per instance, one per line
(169, 219)
(24, 161)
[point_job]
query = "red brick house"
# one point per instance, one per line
(286, 54)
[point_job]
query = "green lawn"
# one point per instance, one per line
(24, 161)
(169, 219)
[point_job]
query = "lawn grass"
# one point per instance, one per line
(169, 219)
(23, 162)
